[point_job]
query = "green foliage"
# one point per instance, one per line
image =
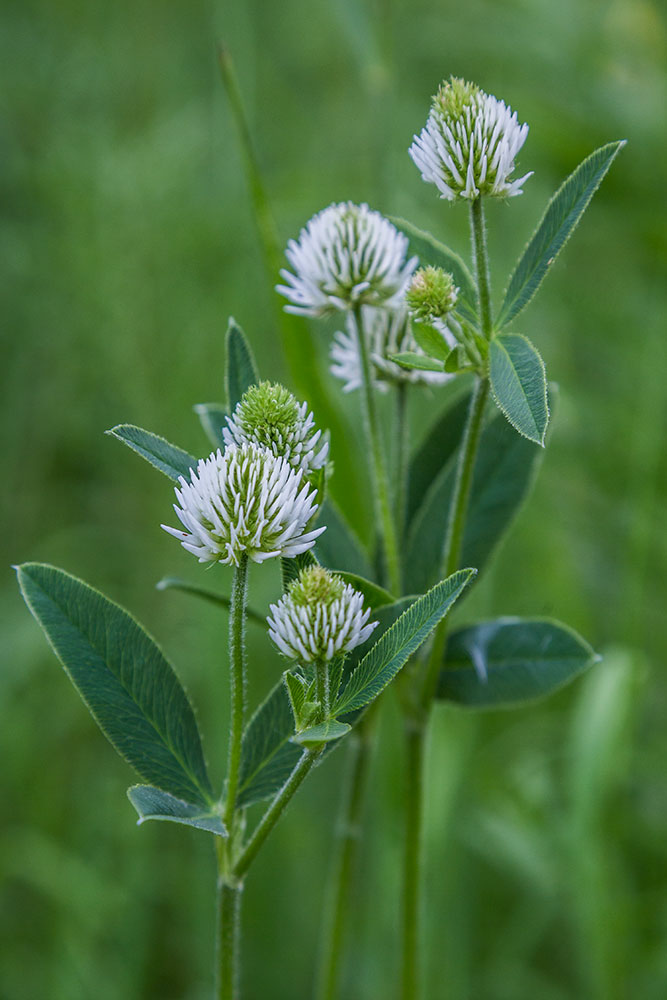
(212, 418)
(240, 368)
(300, 692)
(519, 384)
(338, 546)
(290, 568)
(556, 226)
(431, 341)
(177, 583)
(124, 679)
(509, 661)
(505, 468)
(374, 595)
(397, 644)
(431, 251)
(324, 732)
(172, 461)
(267, 756)
(410, 359)
(437, 447)
(153, 803)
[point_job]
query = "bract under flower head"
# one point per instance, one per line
(245, 500)
(468, 145)
(388, 333)
(319, 617)
(347, 255)
(270, 416)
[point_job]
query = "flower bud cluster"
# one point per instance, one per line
(431, 294)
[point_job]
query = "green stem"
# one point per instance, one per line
(228, 936)
(481, 258)
(236, 684)
(275, 811)
(342, 871)
(380, 480)
(402, 452)
(322, 686)
(412, 858)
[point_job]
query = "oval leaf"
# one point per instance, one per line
(338, 546)
(170, 460)
(519, 384)
(431, 251)
(123, 677)
(410, 359)
(153, 803)
(240, 369)
(509, 661)
(397, 645)
(325, 732)
(557, 224)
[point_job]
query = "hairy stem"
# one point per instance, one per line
(415, 745)
(275, 811)
(236, 684)
(228, 932)
(322, 686)
(380, 479)
(341, 877)
(481, 258)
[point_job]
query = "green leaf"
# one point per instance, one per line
(397, 645)
(240, 370)
(506, 662)
(177, 583)
(153, 803)
(123, 677)
(325, 732)
(410, 360)
(431, 341)
(433, 454)
(338, 546)
(431, 251)
(212, 418)
(172, 461)
(297, 690)
(267, 755)
(374, 596)
(557, 224)
(290, 568)
(519, 384)
(504, 472)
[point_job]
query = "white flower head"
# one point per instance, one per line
(244, 500)
(388, 333)
(270, 416)
(319, 617)
(347, 255)
(468, 145)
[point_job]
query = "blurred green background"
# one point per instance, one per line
(127, 238)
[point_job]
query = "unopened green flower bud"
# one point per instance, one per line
(431, 295)
(269, 415)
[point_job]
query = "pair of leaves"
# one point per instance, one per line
(504, 471)
(510, 661)
(131, 691)
(269, 754)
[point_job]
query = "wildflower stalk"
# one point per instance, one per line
(417, 723)
(275, 810)
(381, 483)
(229, 930)
(341, 876)
(236, 684)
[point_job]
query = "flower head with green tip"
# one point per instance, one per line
(270, 416)
(319, 617)
(468, 145)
